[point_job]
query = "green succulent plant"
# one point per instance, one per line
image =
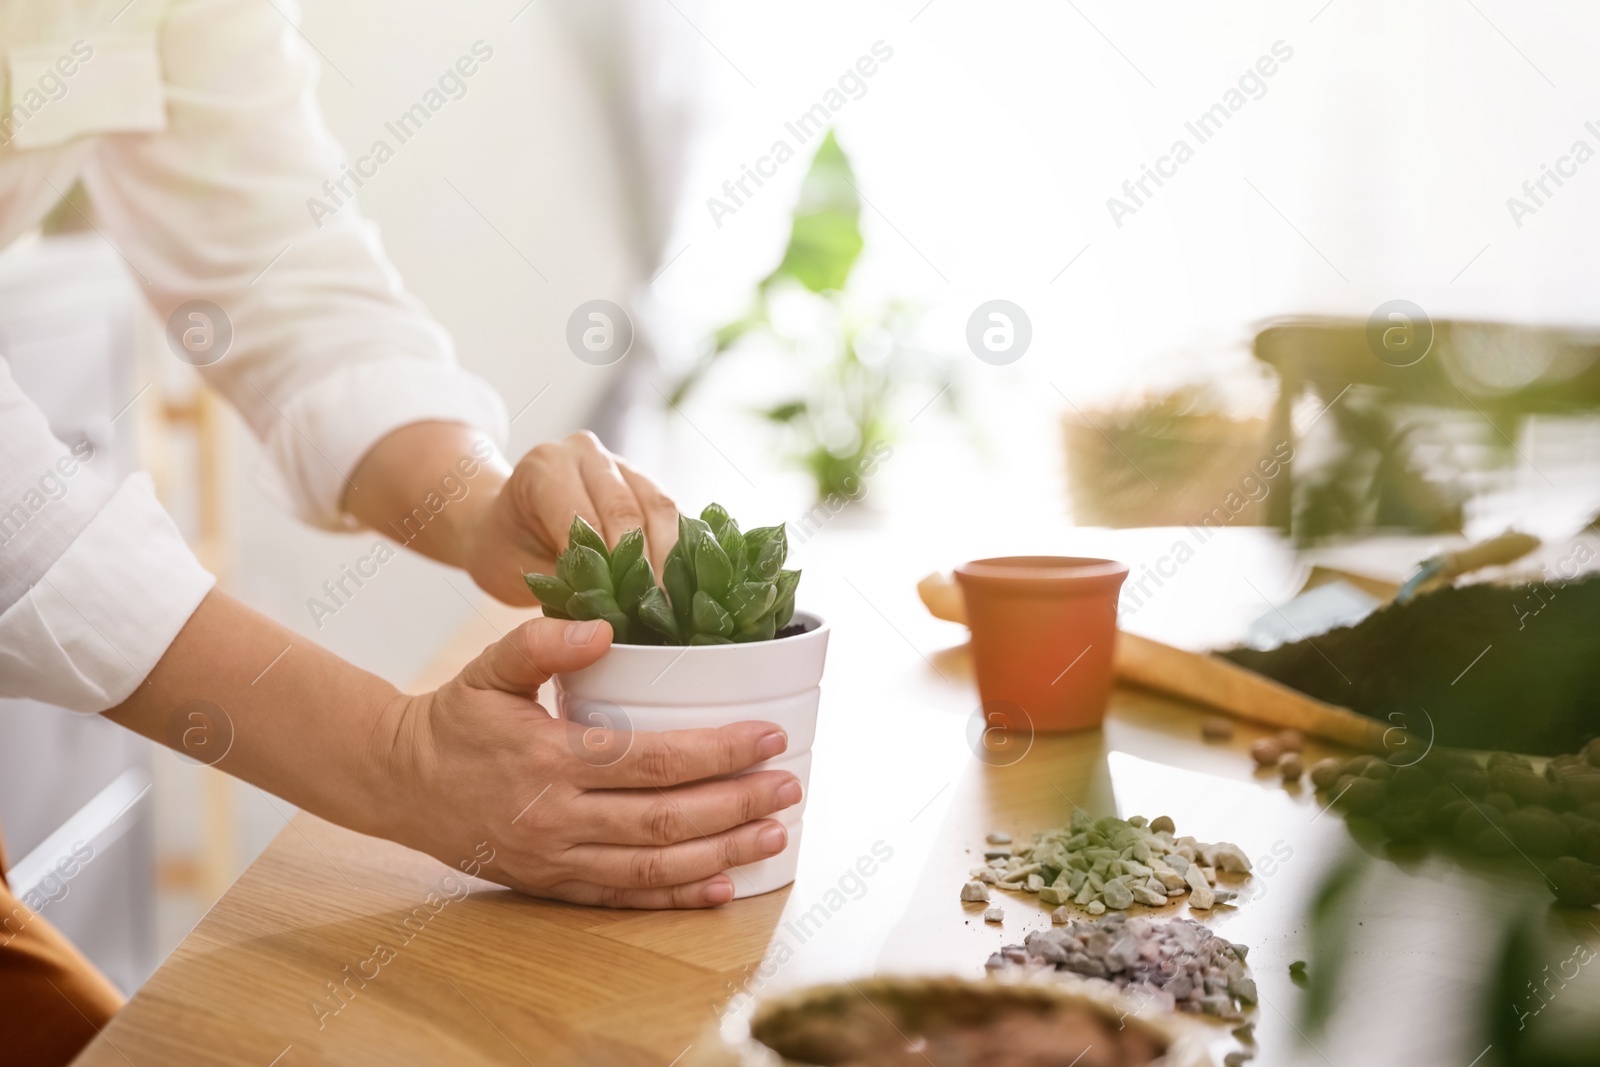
(719, 585)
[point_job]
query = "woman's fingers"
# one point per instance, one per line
(660, 516)
(627, 867)
(550, 491)
(706, 893)
(527, 657)
(668, 816)
(619, 510)
(578, 476)
(661, 760)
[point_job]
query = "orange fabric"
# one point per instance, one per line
(52, 999)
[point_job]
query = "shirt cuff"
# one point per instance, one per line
(331, 425)
(96, 624)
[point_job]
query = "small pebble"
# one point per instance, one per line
(1364, 796)
(1405, 821)
(1473, 820)
(1412, 781)
(1297, 969)
(1291, 766)
(1169, 965)
(1237, 1058)
(1499, 807)
(1291, 740)
(1061, 915)
(975, 893)
(1500, 801)
(1325, 772)
(1265, 751)
(994, 915)
(1219, 728)
(1538, 831)
(1492, 842)
(1582, 789)
(1577, 884)
(1524, 786)
(1111, 864)
(998, 838)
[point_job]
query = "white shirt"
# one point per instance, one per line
(194, 127)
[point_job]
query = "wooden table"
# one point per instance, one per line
(496, 978)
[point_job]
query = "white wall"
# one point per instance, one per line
(527, 147)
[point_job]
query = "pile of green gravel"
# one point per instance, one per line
(1550, 817)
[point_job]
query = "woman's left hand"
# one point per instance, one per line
(525, 527)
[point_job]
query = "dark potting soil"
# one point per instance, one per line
(1494, 667)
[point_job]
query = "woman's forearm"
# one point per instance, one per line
(476, 762)
(258, 701)
(428, 486)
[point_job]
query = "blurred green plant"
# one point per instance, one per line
(1330, 915)
(841, 422)
(1511, 989)
(723, 586)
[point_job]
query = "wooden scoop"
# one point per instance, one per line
(1204, 679)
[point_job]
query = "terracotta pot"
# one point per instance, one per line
(1043, 632)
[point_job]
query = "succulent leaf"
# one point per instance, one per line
(552, 592)
(755, 540)
(788, 581)
(710, 617)
(713, 571)
(762, 630)
(732, 542)
(581, 533)
(599, 604)
(593, 604)
(656, 613)
(679, 580)
(690, 533)
(750, 601)
(769, 560)
(581, 567)
(718, 586)
(629, 550)
(633, 585)
(715, 516)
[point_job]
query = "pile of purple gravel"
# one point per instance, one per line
(1175, 964)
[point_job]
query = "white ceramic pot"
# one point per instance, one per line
(657, 688)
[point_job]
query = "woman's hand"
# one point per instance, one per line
(606, 817)
(442, 490)
(594, 817)
(525, 528)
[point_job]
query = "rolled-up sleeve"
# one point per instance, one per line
(95, 581)
(238, 203)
